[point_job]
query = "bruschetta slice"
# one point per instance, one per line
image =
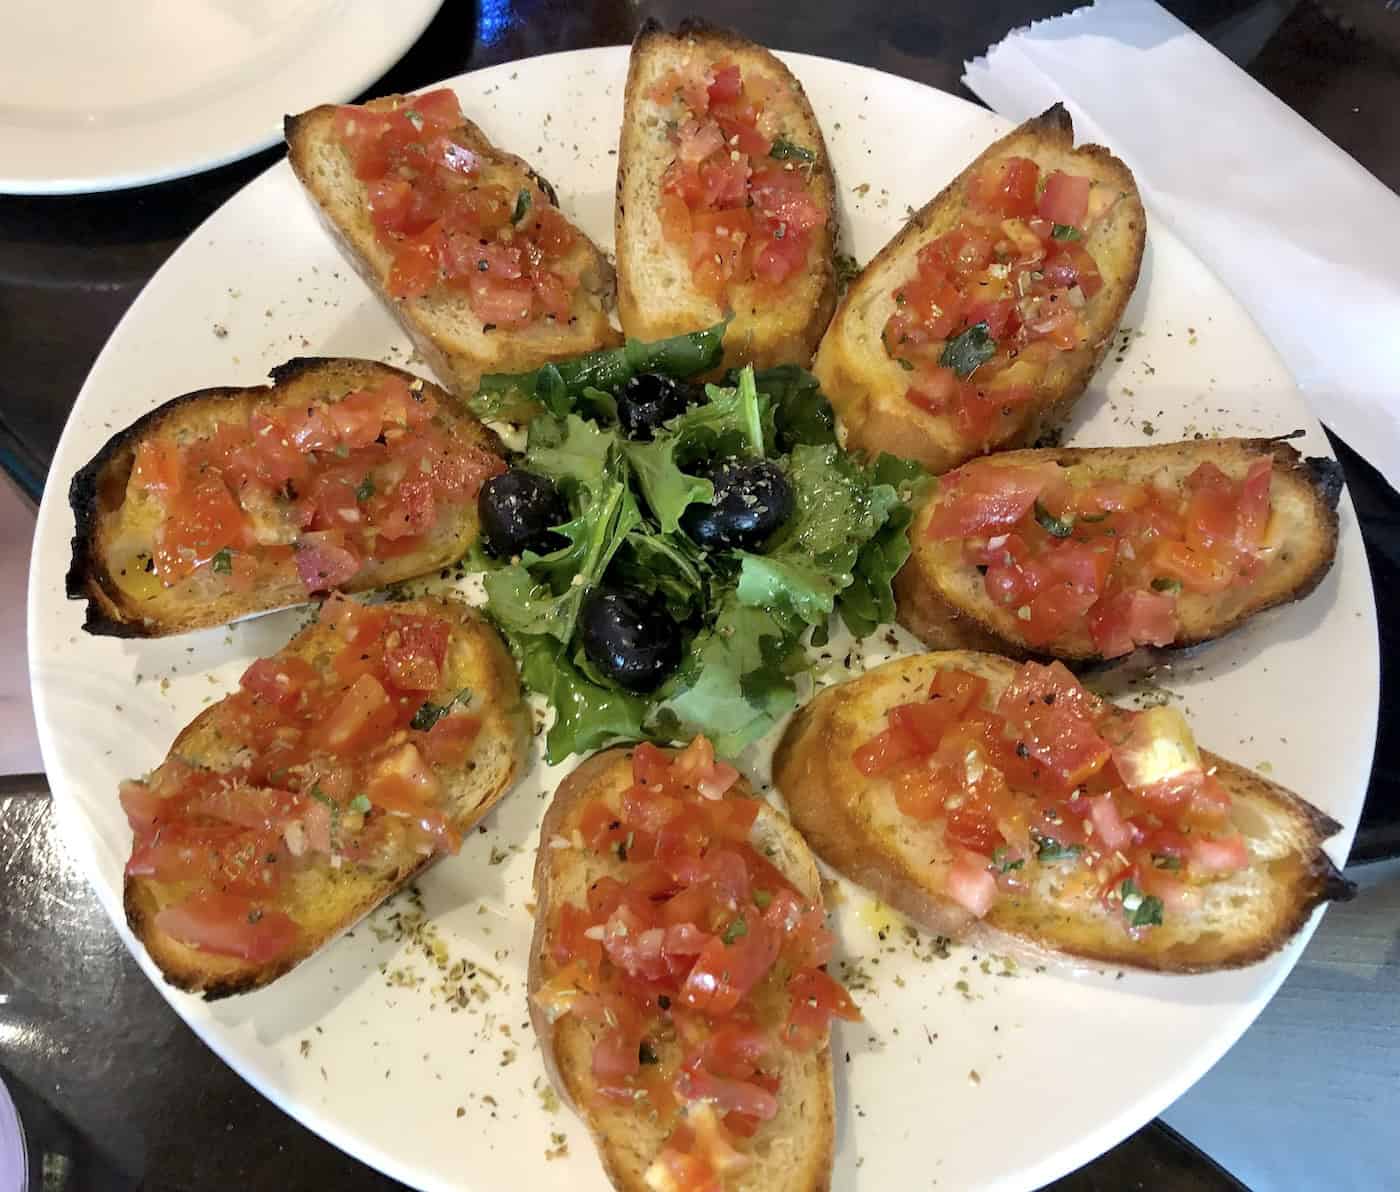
(1090, 553)
(677, 980)
(1003, 804)
(464, 242)
(726, 206)
(341, 767)
(340, 475)
(981, 322)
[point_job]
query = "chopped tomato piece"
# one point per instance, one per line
(816, 1000)
(363, 715)
(1007, 187)
(978, 499)
(970, 884)
(229, 926)
(280, 681)
(1132, 617)
(1065, 199)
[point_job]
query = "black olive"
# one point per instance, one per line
(649, 399)
(752, 499)
(629, 637)
(517, 510)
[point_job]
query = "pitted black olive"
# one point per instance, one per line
(629, 637)
(649, 399)
(517, 510)
(752, 500)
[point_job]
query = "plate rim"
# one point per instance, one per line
(37, 182)
(1086, 1147)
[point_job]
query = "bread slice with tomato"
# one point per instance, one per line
(1006, 806)
(1089, 553)
(340, 475)
(726, 202)
(463, 241)
(978, 326)
(341, 768)
(675, 980)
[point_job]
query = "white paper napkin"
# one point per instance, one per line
(1307, 239)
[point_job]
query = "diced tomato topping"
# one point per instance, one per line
(324, 560)
(668, 952)
(736, 214)
(1007, 187)
(1223, 854)
(1130, 618)
(229, 926)
(970, 884)
(1065, 199)
(445, 226)
(1054, 775)
(985, 498)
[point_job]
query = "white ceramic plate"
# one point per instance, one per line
(101, 95)
(960, 1075)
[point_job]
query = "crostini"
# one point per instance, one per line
(463, 241)
(676, 976)
(340, 474)
(341, 767)
(1005, 805)
(1090, 553)
(726, 204)
(981, 322)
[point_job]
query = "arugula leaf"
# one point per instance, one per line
(735, 421)
(542, 594)
(667, 489)
(869, 601)
(731, 685)
(587, 716)
(801, 412)
(662, 564)
(574, 451)
(967, 351)
(558, 387)
(790, 587)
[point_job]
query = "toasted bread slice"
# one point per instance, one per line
(791, 1153)
(657, 296)
(117, 519)
(456, 343)
(321, 899)
(853, 823)
(867, 386)
(942, 600)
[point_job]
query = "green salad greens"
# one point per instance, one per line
(741, 615)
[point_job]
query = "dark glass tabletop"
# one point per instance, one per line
(108, 1080)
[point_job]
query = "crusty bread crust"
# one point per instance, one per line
(942, 601)
(112, 519)
(794, 1152)
(447, 333)
(867, 387)
(852, 823)
(656, 297)
(323, 901)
